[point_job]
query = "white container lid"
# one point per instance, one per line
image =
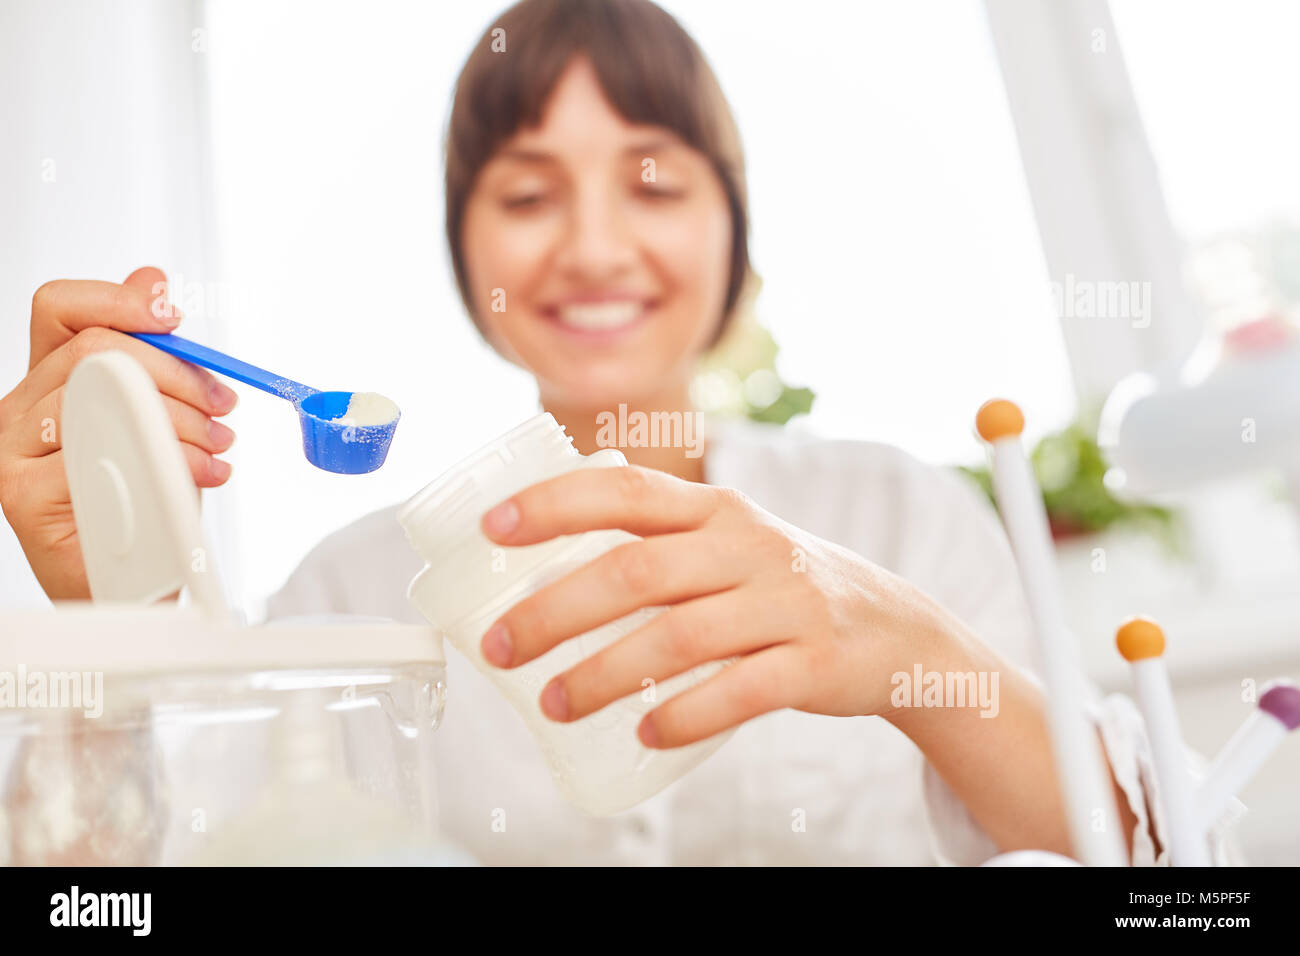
(130, 639)
(134, 500)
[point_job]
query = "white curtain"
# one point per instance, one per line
(103, 162)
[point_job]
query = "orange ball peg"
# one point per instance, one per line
(1139, 638)
(999, 418)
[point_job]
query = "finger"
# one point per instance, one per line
(647, 573)
(39, 431)
(44, 478)
(148, 278)
(712, 628)
(196, 428)
(639, 500)
(41, 482)
(754, 685)
(154, 281)
(64, 307)
(181, 380)
(36, 432)
(207, 471)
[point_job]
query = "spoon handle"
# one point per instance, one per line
(277, 385)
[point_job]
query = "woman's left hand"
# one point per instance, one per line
(815, 626)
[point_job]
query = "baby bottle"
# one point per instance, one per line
(467, 582)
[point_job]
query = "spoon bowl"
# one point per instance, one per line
(341, 448)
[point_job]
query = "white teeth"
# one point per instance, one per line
(600, 315)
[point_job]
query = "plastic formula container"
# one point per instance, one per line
(133, 732)
(145, 736)
(468, 581)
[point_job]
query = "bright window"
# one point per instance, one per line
(1216, 85)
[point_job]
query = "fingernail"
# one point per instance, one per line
(220, 469)
(502, 519)
(497, 647)
(223, 399)
(646, 731)
(220, 436)
(167, 314)
(555, 702)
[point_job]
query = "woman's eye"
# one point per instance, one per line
(524, 201)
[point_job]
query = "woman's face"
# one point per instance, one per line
(598, 251)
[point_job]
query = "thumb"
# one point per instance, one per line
(153, 281)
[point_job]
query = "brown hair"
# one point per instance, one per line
(648, 66)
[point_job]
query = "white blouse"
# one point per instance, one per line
(789, 787)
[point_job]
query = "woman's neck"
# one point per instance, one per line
(663, 433)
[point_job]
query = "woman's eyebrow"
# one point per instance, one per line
(527, 155)
(651, 146)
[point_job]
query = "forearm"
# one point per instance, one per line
(997, 761)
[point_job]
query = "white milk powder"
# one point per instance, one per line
(368, 408)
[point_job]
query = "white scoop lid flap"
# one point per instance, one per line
(135, 503)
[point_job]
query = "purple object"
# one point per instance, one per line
(1281, 699)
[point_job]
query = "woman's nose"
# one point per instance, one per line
(597, 244)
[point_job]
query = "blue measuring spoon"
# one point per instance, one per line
(328, 444)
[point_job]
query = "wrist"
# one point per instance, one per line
(945, 675)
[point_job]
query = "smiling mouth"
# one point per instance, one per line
(600, 319)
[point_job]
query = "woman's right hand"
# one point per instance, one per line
(71, 319)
